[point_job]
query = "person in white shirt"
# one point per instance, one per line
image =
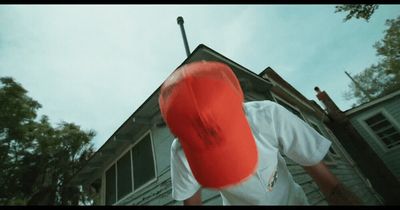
(235, 147)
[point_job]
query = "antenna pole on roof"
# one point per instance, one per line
(185, 42)
(359, 86)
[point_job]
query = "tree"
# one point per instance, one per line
(389, 48)
(373, 83)
(17, 114)
(358, 11)
(383, 78)
(63, 151)
(36, 159)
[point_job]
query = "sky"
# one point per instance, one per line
(94, 65)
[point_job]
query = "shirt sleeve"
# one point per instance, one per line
(184, 185)
(296, 139)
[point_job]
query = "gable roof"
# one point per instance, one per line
(148, 115)
(372, 103)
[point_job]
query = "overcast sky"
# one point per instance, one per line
(94, 65)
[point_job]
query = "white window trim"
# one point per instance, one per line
(377, 139)
(129, 149)
(287, 103)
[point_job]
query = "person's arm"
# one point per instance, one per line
(194, 200)
(335, 193)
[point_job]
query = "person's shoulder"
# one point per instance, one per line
(175, 146)
(259, 105)
(177, 151)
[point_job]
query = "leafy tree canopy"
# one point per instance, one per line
(358, 11)
(36, 159)
(383, 78)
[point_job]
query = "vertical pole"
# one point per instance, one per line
(359, 86)
(185, 42)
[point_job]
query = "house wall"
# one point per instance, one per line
(159, 191)
(337, 160)
(346, 170)
(391, 111)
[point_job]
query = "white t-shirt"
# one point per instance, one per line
(276, 131)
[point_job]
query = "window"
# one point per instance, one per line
(110, 186)
(143, 162)
(124, 178)
(132, 171)
(384, 130)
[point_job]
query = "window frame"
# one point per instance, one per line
(376, 138)
(154, 162)
(105, 184)
(116, 174)
(114, 162)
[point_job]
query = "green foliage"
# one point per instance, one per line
(358, 11)
(17, 114)
(389, 48)
(383, 78)
(37, 159)
(374, 83)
